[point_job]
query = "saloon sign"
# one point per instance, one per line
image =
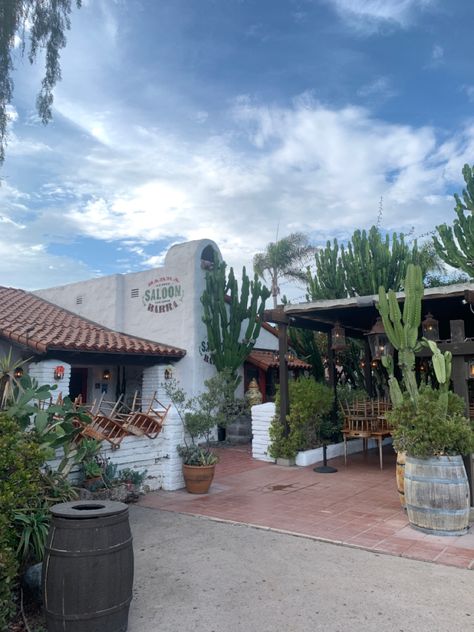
(163, 294)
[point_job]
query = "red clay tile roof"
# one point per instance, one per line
(267, 359)
(41, 326)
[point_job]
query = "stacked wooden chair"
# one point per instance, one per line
(366, 419)
(112, 421)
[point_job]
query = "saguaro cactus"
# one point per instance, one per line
(455, 245)
(225, 312)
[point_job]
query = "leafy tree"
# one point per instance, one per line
(46, 21)
(455, 245)
(225, 312)
(284, 258)
(366, 262)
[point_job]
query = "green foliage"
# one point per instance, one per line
(8, 574)
(427, 430)
(364, 264)
(283, 258)
(455, 245)
(307, 346)
(46, 22)
(225, 312)
(134, 477)
(33, 525)
(20, 487)
(309, 421)
(215, 406)
(54, 424)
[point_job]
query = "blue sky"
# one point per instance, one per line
(232, 119)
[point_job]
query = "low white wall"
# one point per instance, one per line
(158, 456)
(308, 457)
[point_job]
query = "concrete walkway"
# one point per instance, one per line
(193, 574)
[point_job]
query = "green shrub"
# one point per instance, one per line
(8, 575)
(310, 425)
(20, 489)
(426, 431)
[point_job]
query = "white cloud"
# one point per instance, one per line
(369, 15)
(307, 167)
(379, 88)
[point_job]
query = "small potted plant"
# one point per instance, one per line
(216, 406)
(91, 466)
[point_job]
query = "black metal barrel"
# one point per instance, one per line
(88, 568)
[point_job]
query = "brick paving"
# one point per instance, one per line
(357, 506)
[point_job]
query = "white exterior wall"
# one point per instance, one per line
(43, 372)
(109, 301)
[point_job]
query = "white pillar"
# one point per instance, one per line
(172, 434)
(43, 373)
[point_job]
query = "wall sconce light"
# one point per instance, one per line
(430, 327)
(276, 357)
(338, 337)
(374, 364)
(378, 340)
(471, 369)
(290, 357)
(106, 374)
(168, 374)
(18, 373)
(59, 373)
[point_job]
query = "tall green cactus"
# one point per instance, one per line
(402, 331)
(455, 245)
(225, 312)
(368, 261)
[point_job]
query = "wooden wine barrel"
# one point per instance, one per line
(88, 567)
(400, 472)
(437, 495)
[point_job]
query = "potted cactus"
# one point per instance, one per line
(428, 423)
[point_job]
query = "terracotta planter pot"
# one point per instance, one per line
(198, 478)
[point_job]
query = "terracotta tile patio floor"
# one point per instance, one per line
(357, 506)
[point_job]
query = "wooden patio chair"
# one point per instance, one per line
(380, 427)
(357, 423)
(102, 425)
(148, 422)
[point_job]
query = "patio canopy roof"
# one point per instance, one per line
(358, 314)
(47, 329)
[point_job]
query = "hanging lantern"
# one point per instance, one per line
(378, 340)
(471, 369)
(106, 374)
(338, 337)
(59, 373)
(430, 327)
(18, 373)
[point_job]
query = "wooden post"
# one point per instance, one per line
(460, 387)
(284, 392)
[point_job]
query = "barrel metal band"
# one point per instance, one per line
(90, 615)
(439, 510)
(110, 549)
(443, 481)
